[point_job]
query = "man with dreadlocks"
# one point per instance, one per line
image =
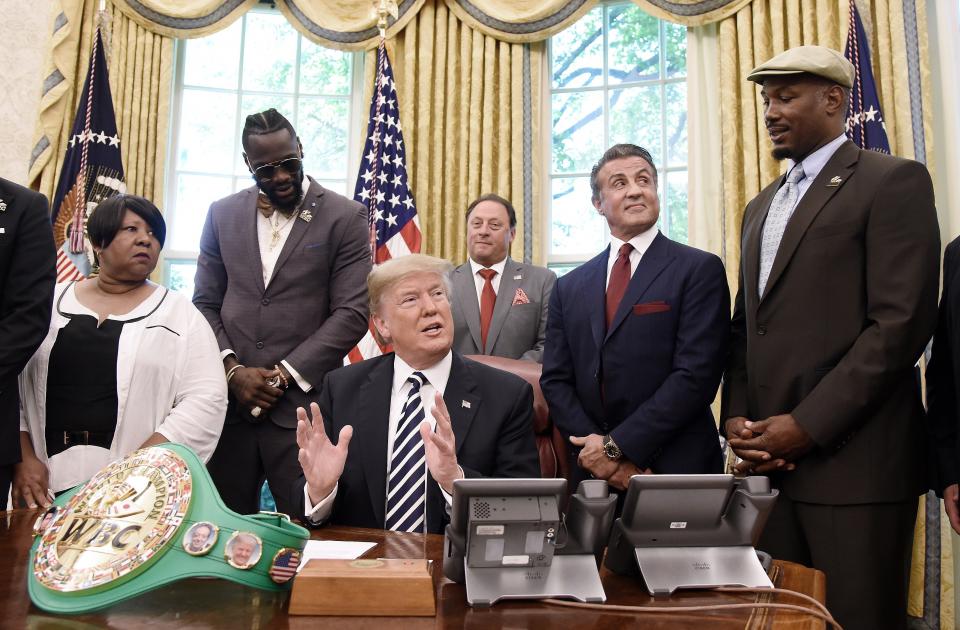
(281, 278)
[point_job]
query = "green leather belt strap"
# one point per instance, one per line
(145, 521)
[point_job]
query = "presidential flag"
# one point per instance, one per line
(864, 121)
(382, 186)
(92, 170)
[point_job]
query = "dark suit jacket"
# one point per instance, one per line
(943, 377)
(650, 379)
(315, 307)
(850, 303)
(517, 331)
(492, 416)
(27, 276)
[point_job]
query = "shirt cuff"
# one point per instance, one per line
(302, 382)
(226, 353)
(319, 513)
(449, 497)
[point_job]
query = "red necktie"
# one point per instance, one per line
(487, 299)
(619, 279)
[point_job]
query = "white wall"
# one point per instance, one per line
(24, 36)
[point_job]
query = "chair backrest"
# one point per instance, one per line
(550, 444)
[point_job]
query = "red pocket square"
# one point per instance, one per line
(520, 297)
(650, 307)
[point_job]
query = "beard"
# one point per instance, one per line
(285, 204)
(781, 153)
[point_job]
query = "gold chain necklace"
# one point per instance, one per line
(276, 227)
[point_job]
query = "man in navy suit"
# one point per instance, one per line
(637, 338)
(422, 416)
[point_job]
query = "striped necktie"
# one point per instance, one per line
(406, 484)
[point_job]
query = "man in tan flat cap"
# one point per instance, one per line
(837, 299)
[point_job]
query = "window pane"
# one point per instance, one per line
(635, 118)
(253, 104)
(336, 185)
(675, 200)
(269, 53)
(214, 60)
(577, 52)
(675, 36)
(195, 193)
(180, 277)
(577, 131)
(322, 125)
(634, 52)
(323, 71)
(675, 95)
(576, 228)
(207, 130)
(562, 270)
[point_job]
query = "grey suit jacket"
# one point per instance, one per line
(315, 307)
(517, 331)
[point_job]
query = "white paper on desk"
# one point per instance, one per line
(333, 550)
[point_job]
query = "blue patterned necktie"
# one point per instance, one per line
(781, 209)
(406, 484)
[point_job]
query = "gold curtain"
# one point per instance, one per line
(140, 64)
(470, 110)
(176, 18)
(897, 39)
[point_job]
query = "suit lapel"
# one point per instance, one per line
(508, 286)
(249, 225)
(840, 165)
(654, 260)
(594, 291)
(370, 432)
(465, 289)
(461, 399)
(300, 225)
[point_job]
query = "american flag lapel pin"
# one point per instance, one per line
(465, 404)
(518, 277)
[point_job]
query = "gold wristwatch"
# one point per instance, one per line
(610, 448)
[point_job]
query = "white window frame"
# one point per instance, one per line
(562, 260)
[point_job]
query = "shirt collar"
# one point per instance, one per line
(641, 242)
(814, 163)
(475, 267)
(437, 374)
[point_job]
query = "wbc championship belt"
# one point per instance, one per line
(144, 521)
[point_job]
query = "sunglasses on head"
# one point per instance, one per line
(267, 171)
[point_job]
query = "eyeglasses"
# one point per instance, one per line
(267, 171)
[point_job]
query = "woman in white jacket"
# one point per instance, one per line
(126, 363)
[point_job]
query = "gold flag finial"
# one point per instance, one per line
(381, 9)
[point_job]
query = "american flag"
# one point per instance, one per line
(864, 119)
(92, 169)
(382, 186)
(284, 566)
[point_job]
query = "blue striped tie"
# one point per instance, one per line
(406, 484)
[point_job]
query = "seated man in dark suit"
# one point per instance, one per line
(423, 415)
(637, 338)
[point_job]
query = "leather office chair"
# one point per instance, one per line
(550, 444)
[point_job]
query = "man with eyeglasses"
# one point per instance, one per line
(281, 278)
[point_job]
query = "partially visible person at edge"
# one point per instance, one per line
(27, 275)
(126, 363)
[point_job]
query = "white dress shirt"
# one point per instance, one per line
(641, 243)
(814, 163)
(437, 376)
(479, 281)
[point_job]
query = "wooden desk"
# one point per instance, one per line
(222, 604)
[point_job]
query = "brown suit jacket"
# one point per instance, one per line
(850, 303)
(313, 310)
